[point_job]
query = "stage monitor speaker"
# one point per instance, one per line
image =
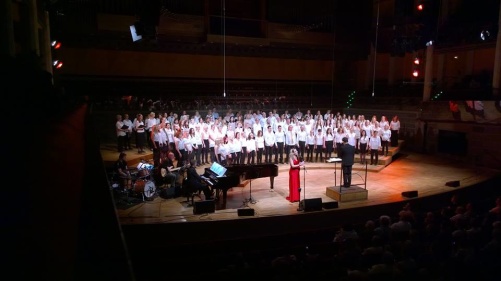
(410, 194)
(452, 183)
(313, 204)
(204, 207)
(245, 212)
(330, 205)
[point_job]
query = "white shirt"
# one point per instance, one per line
(269, 138)
(280, 136)
(120, 132)
(260, 142)
(375, 142)
(385, 135)
(251, 145)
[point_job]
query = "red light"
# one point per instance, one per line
(56, 44)
(415, 73)
(57, 64)
(416, 61)
(420, 7)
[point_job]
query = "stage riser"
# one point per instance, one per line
(354, 193)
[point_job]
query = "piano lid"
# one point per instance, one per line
(218, 169)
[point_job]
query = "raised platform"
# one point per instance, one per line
(342, 194)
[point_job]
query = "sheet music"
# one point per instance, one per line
(334, 159)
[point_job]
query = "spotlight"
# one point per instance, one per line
(416, 61)
(420, 7)
(429, 43)
(57, 64)
(485, 34)
(415, 73)
(56, 44)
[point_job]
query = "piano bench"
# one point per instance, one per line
(190, 198)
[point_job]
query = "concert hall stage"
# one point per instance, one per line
(383, 184)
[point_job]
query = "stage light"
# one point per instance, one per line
(416, 61)
(56, 44)
(57, 64)
(485, 34)
(415, 73)
(420, 7)
(429, 43)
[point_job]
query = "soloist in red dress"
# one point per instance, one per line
(294, 183)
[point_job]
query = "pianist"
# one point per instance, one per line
(195, 181)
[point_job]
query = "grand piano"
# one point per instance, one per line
(223, 178)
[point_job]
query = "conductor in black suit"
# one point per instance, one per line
(347, 155)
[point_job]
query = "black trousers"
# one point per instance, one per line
(374, 153)
(279, 156)
(394, 138)
(347, 175)
(260, 155)
(268, 153)
(302, 146)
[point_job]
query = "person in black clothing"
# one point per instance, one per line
(347, 155)
(122, 171)
(168, 170)
(195, 182)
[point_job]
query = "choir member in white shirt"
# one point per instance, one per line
(374, 146)
(301, 140)
(364, 139)
(319, 145)
(395, 128)
(310, 146)
(385, 139)
(251, 149)
(259, 146)
(329, 142)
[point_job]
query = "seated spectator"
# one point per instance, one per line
(400, 229)
(384, 230)
(347, 232)
(497, 209)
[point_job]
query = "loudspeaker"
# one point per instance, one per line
(410, 194)
(330, 205)
(245, 212)
(204, 207)
(452, 183)
(314, 204)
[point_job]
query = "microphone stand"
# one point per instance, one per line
(250, 200)
(301, 207)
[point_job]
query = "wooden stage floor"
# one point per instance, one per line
(384, 184)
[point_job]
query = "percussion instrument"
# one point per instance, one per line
(147, 188)
(143, 173)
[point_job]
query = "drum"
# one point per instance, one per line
(146, 187)
(143, 173)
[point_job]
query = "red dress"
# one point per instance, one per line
(294, 183)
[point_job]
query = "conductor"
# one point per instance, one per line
(347, 155)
